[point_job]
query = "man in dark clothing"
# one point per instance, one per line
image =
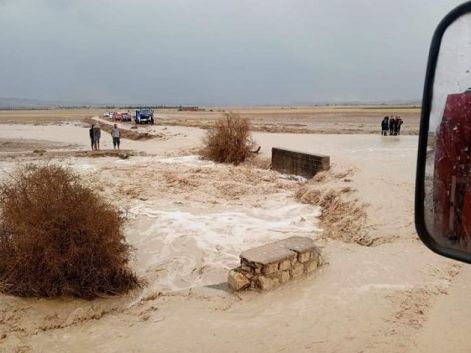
(392, 126)
(96, 137)
(92, 139)
(385, 126)
(396, 119)
(399, 122)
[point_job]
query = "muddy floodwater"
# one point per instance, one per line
(379, 289)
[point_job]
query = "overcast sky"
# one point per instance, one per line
(216, 52)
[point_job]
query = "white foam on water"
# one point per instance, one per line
(185, 160)
(194, 249)
(82, 166)
(293, 177)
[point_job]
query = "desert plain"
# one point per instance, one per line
(379, 289)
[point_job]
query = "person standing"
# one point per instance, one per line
(392, 125)
(92, 136)
(385, 126)
(396, 118)
(96, 137)
(399, 123)
(116, 135)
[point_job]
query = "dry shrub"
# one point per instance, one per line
(342, 217)
(229, 140)
(59, 237)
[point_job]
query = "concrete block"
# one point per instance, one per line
(299, 163)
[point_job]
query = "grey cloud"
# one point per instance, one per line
(216, 52)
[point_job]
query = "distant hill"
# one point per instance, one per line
(27, 103)
(15, 103)
(391, 103)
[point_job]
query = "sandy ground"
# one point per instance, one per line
(380, 289)
(319, 120)
(47, 116)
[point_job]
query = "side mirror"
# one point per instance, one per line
(443, 184)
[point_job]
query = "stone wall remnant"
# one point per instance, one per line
(266, 267)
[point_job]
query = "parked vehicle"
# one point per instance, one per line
(121, 116)
(107, 115)
(144, 116)
(126, 116)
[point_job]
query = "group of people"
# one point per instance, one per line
(392, 125)
(95, 135)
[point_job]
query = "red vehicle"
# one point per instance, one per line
(452, 184)
(121, 116)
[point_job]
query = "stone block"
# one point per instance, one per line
(285, 265)
(265, 283)
(298, 163)
(315, 255)
(237, 280)
(297, 270)
(245, 267)
(284, 276)
(270, 268)
(304, 256)
(251, 267)
(300, 244)
(266, 267)
(267, 254)
(310, 266)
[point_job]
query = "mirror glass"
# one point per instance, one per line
(448, 164)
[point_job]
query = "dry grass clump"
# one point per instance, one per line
(59, 237)
(229, 140)
(342, 217)
(259, 162)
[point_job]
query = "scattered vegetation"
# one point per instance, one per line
(229, 140)
(343, 217)
(59, 237)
